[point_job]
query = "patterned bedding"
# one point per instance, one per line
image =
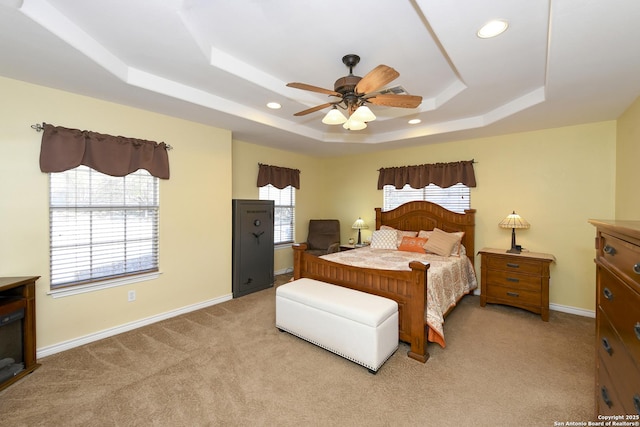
(448, 278)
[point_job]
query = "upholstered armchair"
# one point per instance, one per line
(323, 237)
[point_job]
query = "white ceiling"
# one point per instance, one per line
(218, 62)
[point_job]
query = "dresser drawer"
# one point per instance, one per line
(513, 280)
(515, 265)
(515, 297)
(622, 256)
(607, 397)
(623, 372)
(620, 304)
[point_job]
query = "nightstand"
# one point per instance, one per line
(519, 280)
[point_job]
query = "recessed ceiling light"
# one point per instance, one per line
(274, 105)
(414, 121)
(493, 28)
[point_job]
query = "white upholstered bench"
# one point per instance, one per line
(358, 326)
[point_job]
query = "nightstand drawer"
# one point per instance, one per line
(515, 296)
(513, 280)
(620, 304)
(622, 256)
(515, 264)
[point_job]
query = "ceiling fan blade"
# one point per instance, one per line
(313, 109)
(392, 100)
(376, 78)
(305, 86)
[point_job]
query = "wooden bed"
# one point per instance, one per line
(407, 288)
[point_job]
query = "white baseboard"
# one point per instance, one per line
(77, 342)
(572, 310)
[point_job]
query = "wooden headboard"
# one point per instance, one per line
(420, 215)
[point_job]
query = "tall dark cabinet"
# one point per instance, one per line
(252, 246)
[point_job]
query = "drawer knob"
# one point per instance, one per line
(636, 268)
(610, 250)
(513, 279)
(605, 396)
(607, 346)
(513, 265)
(608, 294)
(636, 403)
(513, 294)
(636, 329)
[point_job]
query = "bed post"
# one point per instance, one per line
(417, 304)
(298, 250)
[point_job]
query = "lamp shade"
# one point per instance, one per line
(514, 221)
(334, 117)
(363, 114)
(352, 124)
(359, 224)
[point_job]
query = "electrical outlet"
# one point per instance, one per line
(131, 296)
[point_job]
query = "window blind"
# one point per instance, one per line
(455, 198)
(102, 226)
(284, 212)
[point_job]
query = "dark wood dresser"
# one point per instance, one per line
(617, 317)
(520, 280)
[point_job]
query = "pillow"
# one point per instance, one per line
(442, 243)
(400, 233)
(412, 244)
(384, 239)
(458, 248)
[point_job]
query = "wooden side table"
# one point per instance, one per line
(519, 280)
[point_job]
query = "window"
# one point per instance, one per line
(455, 198)
(101, 227)
(284, 212)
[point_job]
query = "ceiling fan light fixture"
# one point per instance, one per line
(352, 124)
(363, 114)
(493, 28)
(334, 117)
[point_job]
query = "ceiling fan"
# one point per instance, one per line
(355, 92)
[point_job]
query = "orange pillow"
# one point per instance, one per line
(412, 244)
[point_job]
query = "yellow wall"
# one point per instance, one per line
(311, 200)
(195, 228)
(550, 177)
(627, 155)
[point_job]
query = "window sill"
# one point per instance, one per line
(105, 284)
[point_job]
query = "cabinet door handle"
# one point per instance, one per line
(607, 346)
(636, 268)
(513, 279)
(513, 294)
(610, 250)
(636, 403)
(636, 329)
(512, 265)
(604, 393)
(608, 294)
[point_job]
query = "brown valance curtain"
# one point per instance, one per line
(63, 149)
(441, 174)
(278, 176)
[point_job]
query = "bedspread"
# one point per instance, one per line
(448, 279)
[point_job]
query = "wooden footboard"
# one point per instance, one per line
(407, 288)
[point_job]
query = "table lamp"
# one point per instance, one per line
(514, 221)
(359, 225)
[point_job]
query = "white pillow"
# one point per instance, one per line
(400, 233)
(384, 239)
